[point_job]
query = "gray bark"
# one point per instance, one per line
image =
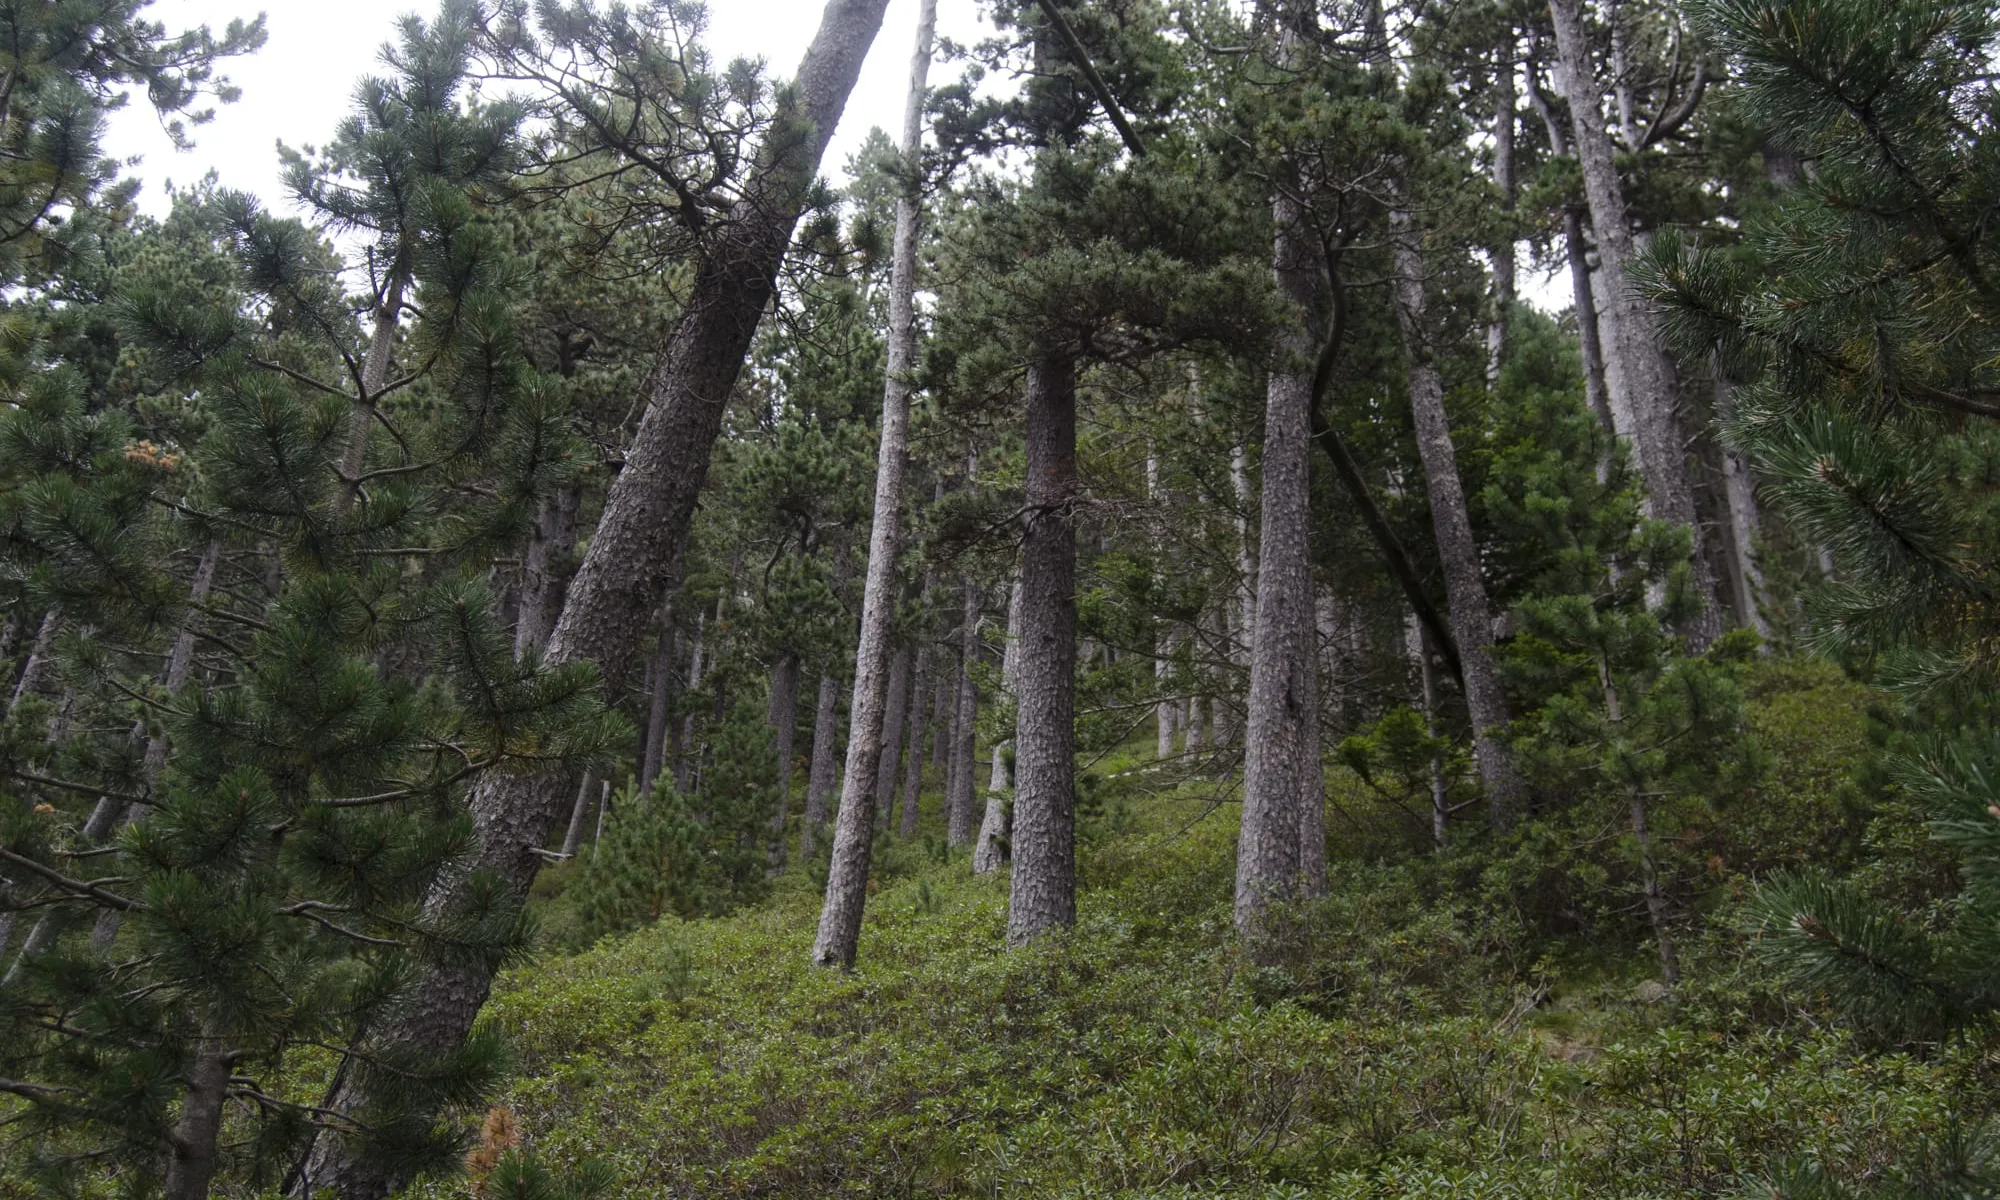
(573, 836)
(642, 532)
(684, 767)
(659, 707)
(913, 754)
(1504, 182)
(374, 374)
(847, 883)
(959, 785)
(38, 659)
(192, 1161)
(1638, 361)
(1042, 895)
(1458, 553)
(991, 848)
(1739, 491)
(1282, 727)
(820, 776)
(543, 574)
(889, 774)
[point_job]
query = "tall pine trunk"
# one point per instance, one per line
(991, 848)
(1281, 735)
(1464, 583)
(847, 884)
(642, 532)
(1042, 895)
(1636, 355)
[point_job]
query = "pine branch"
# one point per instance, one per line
(77, 886)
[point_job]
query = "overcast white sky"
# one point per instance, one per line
(298, 87)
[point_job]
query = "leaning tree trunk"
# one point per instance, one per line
(1641, 365)
(642, 532)
(820, 775)
(1281, 734)
(1458, 552)
(991, 848)
(847, 884)
(1042, 895)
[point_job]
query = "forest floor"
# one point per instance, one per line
(1415, 1041)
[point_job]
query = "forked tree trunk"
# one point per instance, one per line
(1639, 359)
(1042, 894)
(1281, 735)
(991, 849)
(642, 532)
(1458, 554)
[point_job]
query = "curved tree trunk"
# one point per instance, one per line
(1458, 553)
(1042, 895)
(642, 532)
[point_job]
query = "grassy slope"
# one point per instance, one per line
(1407, 1048)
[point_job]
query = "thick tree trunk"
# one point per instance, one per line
(1458, 553)
(847, 883)
(1042, 895)
(820, 776)
(784, 738)
(191, 1165)
(1637, 356)
(543, 569)
(992, 847)
(959, 784)
(1282, 730)
(641, 534)
(913, 754)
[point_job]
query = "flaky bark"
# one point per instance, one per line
(642, 532)
(847, 884)
(1042, 895)
(1281, 735)
(1451, 523)
(1636, 355)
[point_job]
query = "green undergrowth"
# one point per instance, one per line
(1406, 1037)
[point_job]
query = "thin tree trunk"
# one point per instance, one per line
(784, 726)
(1420, 659)
(1168, 708)
(660, 704)
(913, 755)
(1458, 553)
(38, 659)
(887, 774)
(573, 836)
(374, 374)
(1282, 727)
(1634, 342)
(991, 848)
(684, 764)
(1740, 495)
(847, 882)
(1656, 900)
(964, 727)
(641, 534)
(1503, 182)
(1042, 895)
(820, 778)
(603, 812)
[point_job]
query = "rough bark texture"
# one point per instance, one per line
(1451, 523)
(543, 577)
(1282, 727)
(192, 1164)
(1042, 895)
(959, 783)
(820, 776)
(913, 755)
(991, 849)
(1636, 356)
(854, 831)
(641, 534)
